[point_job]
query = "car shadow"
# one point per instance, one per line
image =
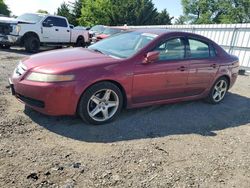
(194, 117)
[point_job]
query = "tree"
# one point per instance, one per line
(181, 20)
(95, 12)
(120, 12)
(216, 11)
(163, 18)
(4, 9)
(64, 10)
(76, 11)
(43, 11)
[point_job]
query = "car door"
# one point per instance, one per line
(203, 65)
(165, 78)
(49, 30)
(63, 30)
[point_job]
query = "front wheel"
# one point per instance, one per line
(32, 44)
(101, 103)
(218, 91)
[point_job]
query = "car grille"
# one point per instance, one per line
(5, 28)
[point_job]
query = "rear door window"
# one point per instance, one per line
(57, 22)
(198, 49)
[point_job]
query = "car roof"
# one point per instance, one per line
(165, 31)
(152, 31)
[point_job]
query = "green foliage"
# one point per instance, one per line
(64, 10)
(43, 11)
(95, 12)
(76, 12)
(216, 11)
(4, 8)
(120, 12)
(181, 20)
(163, 18)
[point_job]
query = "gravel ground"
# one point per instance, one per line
(191, 144)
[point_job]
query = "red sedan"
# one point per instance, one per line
(109, 31)
(133, 69)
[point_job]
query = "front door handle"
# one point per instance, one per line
(182, 68)
(57, 29)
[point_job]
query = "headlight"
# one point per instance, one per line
(41, 77)
(18, 29)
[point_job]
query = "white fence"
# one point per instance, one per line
(234, 38)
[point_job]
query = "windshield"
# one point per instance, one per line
(123, 45)
(110, 31)
(97, 28)
(33, 18)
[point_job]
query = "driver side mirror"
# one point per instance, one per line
(151, 57)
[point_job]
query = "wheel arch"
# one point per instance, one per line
(28, 34)
(227, 78)
(116, 83)
(80, 37)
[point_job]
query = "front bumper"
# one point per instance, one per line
(9, 39)
(48, 98)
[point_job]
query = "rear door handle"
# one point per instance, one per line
(67, 30)
(57, 29)
(182, 68)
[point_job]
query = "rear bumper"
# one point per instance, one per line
(48, 98)
(9, 39)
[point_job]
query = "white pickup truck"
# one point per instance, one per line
(35, 30)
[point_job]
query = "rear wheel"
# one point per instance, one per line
(80, 42)
(218, 91)
(101, 103)
(32, 44)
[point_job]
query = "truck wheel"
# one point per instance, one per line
(80, 42)
(32, 44)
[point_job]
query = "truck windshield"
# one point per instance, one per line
(33, 18)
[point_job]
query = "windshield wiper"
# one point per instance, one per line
(99, 51)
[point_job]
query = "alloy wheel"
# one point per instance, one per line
(220, 90)
(103, 105)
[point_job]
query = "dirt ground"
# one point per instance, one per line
(191, 144)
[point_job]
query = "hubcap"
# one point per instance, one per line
(103, 105)
(220, 90)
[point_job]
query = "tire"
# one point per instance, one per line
(218, 91)
(101, 103)
(32, 44)
(80, 42)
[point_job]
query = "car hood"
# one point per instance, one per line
(8, 20)
(66, 60)
(13, 21)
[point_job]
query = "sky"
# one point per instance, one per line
(18, 7)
